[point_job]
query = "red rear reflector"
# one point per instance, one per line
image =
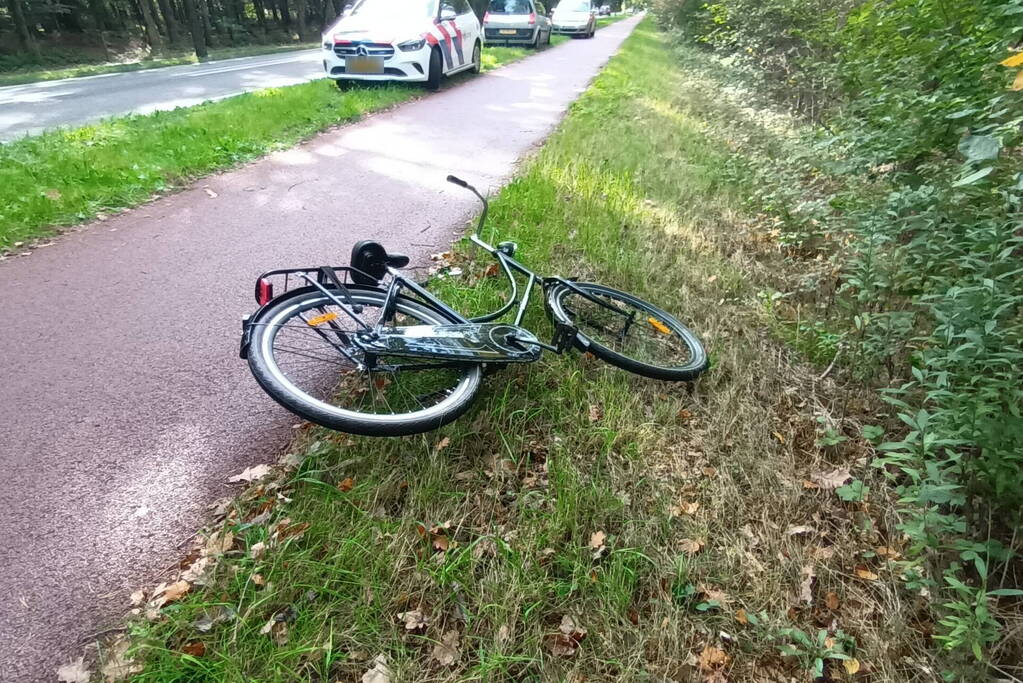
(264, 292)
(532, 18)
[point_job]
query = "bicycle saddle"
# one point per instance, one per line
(371, 260)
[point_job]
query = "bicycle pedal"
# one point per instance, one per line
(565, 335)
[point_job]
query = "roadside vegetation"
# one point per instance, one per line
(580, 523)
(66, 177)
(900, 192)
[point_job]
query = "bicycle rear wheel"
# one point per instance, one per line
(630, 333)
(302, 355)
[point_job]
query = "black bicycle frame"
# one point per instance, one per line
(510, 266)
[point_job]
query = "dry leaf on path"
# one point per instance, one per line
(257, 550)
(806, 585)
(740, 616)
(865, 573)
(251, 474)
(596, 412)
(597, 539)
(219, 542)
(800, 529)
(287, 530)
(117, 666)
(380, 673)
(174, 591)
(712, 659)
(276, 628)
(831, 600)
(852, 666)
(442, 444)
(414, 620)
(75, 672)
(446, 651)
(346, 484)
(137, 598)
(211, 193)
(833, 479)
(195, 649)
(565, 643)
(688, 545)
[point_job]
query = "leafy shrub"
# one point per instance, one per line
(911, 185)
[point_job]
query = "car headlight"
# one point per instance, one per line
(412, 45)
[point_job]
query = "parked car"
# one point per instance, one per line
(403, 40)
(575, 18)
(516, 22)
(605, 11)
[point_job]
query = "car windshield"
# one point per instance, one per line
(574, 6)
(510, 7)
(390, 9)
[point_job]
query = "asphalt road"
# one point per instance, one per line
(29, 109)
(124, 406)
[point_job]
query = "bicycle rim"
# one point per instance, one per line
(631, 333)
(308, 363)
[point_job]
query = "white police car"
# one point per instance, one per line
(402, 40)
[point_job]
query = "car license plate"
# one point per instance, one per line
(364, 65)
(507, 31)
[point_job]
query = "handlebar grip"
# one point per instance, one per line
(457, 181)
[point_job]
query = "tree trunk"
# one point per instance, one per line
(21, 27)
(169, 20)
(100, 15)
(196, 29)
(204, 11)
(149, 21)
(285, 14)
(260, 15)
(300, 7)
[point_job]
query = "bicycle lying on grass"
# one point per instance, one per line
(363, 349)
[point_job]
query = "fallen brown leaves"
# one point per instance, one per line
(832, 479)
(566, 641)
(689, 545)
(75, 672)
(380, 673)
(446, 652)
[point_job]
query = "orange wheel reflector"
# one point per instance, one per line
(320, 319)
(658, 325)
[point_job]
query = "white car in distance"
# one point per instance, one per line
(575, 18)
(402, 40)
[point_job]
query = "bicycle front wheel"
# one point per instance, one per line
(630, 333)
(302, 354)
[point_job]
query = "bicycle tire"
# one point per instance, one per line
(697, 361)
(271, 378)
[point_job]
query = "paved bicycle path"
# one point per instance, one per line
(124, 406)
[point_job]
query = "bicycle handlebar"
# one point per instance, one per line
(483, 216)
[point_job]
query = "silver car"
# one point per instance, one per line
(517, 22)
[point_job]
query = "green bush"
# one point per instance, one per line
(911, 184)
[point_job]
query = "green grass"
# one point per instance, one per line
(634, 191)
(34, 74)
(66, 177)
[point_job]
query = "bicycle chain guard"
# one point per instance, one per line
(470, 342)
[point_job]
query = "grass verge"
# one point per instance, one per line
(66, 177)
(21, 77)
(579, 523)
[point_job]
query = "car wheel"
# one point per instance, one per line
(477, 58)
(436, 71)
